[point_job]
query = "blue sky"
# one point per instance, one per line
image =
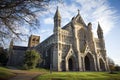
(107, 12)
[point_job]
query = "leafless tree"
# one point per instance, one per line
(14, 14)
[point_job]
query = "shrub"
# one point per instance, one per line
(32, 58)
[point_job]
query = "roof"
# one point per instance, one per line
(77, 19)
(66, 25)
(20, 48)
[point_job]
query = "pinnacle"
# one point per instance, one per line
(79, 19)
(57, 14)
(99, 27)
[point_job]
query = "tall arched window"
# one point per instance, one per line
(82, 39)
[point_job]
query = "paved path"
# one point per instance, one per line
(24, 75)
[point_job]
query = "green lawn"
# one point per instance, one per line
(5, 73)
(79, 76)
(41, 70)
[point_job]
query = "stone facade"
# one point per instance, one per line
(73, 47)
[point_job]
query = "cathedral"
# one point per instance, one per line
(73, 47)
(70, 48)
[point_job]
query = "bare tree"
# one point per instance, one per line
(14, 14)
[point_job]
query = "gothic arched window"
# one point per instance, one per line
(82, 39)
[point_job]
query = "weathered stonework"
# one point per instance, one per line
(73, 47)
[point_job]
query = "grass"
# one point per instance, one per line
(5, 73)
(79, 76)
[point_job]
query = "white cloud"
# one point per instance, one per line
(48, 21)
(45, 33)
(91, 11)
(98, 10)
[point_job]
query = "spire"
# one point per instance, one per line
(57, 14)
(57, 20)
(99, 29)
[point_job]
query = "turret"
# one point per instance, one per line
(90, 37)
(33, 41)
(57, 20)
(101, 41)
(99, 32)
(101, 37)
(90, 26)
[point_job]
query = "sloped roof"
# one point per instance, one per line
(77, 19)
(20, 48)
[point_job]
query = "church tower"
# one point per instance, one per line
(33, 41)
(102, 49)
(57, 53)
(100, 37)
(99, 31)
(57, 21)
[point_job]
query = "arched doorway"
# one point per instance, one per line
(71, 64)
(102, 65)
(89, 62)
